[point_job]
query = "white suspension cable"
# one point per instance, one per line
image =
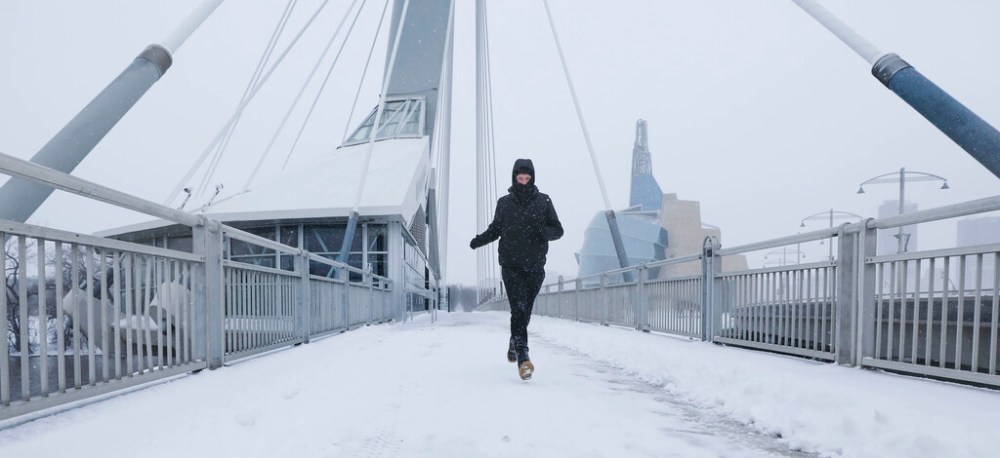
(480, 149)
(486, 189)
(184, 30)
(302, 90)
(579, 111)
(254, 79)
(491, 163)
(441, 146)
(364, 72)
(242, 106)
(212, 146)
(326, 80)
(856, 42)
(381, 108)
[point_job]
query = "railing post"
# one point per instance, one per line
(303, 300)
(547, 304)
(559, 297)
(345, 298)
(604, 299)
(640, 299)
(847, 282)
(711, 309)
(370, 281)
(866, 294)
(576, 297)
(210, 299)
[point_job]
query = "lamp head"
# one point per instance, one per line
(861, 190)
(945, 185)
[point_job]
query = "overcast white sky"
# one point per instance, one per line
(754, 109)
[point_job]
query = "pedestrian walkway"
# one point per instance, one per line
(417, 389)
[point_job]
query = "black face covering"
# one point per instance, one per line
(523, 191)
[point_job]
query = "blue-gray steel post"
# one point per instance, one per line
(210, 300)
(345, 246)
(616, 239)
(303, 297)
(711, 309)
(976, 136)
(866, 293)
(847, 280)
(20, 197)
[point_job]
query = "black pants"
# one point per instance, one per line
(522, 286)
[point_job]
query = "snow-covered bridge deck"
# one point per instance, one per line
(445, 389)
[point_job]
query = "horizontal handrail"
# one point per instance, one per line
(56, 235)
(340, 265)
(812, 236)
(672, 261)
(946, 252)
(784, 268)
(74, 185)
(971, 207)
(647, 265)
(256, 268)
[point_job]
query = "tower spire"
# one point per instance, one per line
(645, 192)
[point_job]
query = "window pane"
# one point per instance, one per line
(180, 243)
(290, 235)
(323, 239)
(412, 126)
(400, 117)
(321, 270)
(362, 133)
(241, 248)
(376, 238)
(288, 263)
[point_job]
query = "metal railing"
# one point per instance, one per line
(123, 314)
(902, 312)
(671, 304)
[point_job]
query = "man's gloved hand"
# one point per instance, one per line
(475, 243)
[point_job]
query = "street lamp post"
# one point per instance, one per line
(831, 214)
(902, 177)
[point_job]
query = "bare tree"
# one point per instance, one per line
(13, 316)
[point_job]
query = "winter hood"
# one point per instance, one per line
(523, 166)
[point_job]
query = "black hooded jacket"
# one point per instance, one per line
(525, 222)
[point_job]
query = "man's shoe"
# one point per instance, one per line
(525, 369)
(524, 366)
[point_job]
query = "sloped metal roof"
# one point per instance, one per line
(326, 186)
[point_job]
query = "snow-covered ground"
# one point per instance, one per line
(445, 390)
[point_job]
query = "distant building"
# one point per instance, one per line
(687, 232)
(642, 236)
(654, 226)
